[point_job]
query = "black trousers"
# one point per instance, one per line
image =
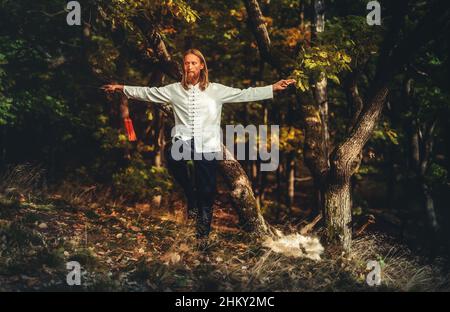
(198, 180)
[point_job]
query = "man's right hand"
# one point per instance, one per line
(112, 88)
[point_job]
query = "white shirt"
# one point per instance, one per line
(198, 113)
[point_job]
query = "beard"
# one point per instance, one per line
(192, 77)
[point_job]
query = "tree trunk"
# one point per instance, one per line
(258, 176)
(243, 198)
(259, 29)
(158, 137)
(421, 146)
(279, 190)
(3, 147)
(314, 151)
(320, 163)
(321, 96)
(429, 207)
(255, 182)
(345, 161)
(124, 113)
(291, 181)
(391, 178)
(419, 159)
(338, 213)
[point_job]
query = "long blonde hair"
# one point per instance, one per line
(203, 79)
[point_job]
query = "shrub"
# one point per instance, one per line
(139, 181)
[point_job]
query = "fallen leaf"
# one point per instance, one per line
(134, 228)
(184, 247)
(171, 258)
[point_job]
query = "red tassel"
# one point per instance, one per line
(130, 130)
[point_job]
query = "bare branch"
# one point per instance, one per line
(259, 29)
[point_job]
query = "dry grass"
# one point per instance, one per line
(86, 195)
(22, 180)
(123, 249)
(401, 269)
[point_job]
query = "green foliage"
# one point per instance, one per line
(15, 53)
(351, 33)
(180, 9)
(105, 58)
(347, 42)
(428, 101)
(291, 139)
(366, 170)
(386, 133)
(139, 181)
(436, 175)
(327, 60)
(6, 115)
(122, 11)
(109, 137)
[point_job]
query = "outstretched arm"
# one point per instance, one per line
(111, 88)
(151, 94)
(235, 95)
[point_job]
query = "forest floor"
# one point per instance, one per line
(132, 248)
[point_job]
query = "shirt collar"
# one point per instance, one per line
(196, 86)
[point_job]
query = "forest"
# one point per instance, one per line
(359, 198)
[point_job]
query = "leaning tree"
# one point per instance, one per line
(402, 40)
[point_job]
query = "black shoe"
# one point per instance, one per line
(192, 211)
(192, 215)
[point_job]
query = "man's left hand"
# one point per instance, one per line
(282, 84)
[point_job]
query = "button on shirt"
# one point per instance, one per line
(197, 113)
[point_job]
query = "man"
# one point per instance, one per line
(197, 105)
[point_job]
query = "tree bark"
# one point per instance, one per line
(279, 190)
(314, 149)
(345, 161)
(291, 181)
(420, 160)
(338, 217)
(3, 148)
(320, 85)
(421, 146)
(315, 114)
(259, 29)
(243, 198)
